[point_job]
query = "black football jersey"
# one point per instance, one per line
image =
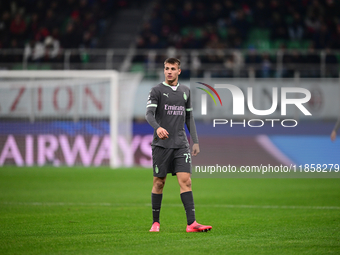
(172, 104)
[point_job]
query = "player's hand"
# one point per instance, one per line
(333, 135)
(162, 133)
(195, 149)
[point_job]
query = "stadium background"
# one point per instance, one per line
(246, 42)
(52, 204)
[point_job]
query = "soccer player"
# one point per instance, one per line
(168, 109)
(333, 134)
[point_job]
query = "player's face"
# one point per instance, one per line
(171, 72)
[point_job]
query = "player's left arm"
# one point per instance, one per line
(190, 123)
(335, 130)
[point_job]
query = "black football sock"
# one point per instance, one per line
(189, 206)
(156, 201)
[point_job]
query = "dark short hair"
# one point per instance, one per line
(173, 61)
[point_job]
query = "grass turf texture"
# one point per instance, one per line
(101, 211)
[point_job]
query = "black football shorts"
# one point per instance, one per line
(170, 160)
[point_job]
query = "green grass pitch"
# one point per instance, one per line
(75, 210)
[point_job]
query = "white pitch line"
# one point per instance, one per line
(173, 205)
(278, 207)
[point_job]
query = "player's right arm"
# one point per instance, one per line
(151, 107)
(162, 133)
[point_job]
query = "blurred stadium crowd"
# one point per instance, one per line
(239, 24)
(37, 25)
(257, 28)
(272, 37)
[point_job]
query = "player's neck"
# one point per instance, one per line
(172, 83)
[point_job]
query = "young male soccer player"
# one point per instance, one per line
(168, 109)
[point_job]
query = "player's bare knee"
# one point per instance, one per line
(187, 183)
(159, 184)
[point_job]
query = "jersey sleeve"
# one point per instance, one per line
(337, 125)
(188, 107)
(152, 99)
(189, 121)
(151, 106)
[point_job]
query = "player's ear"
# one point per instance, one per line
(179, 71)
